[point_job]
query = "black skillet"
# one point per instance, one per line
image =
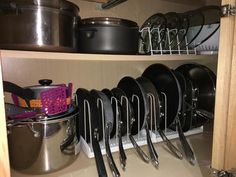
(117, 111)
(138, 97)
(109, 94)
(181, 80)
(165, 81)
(128, 118)
(96, 126)
(203, 86)
(105, 107)
(156, 113)
(159, 74)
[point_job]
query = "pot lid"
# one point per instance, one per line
(44, 85)
(56, 4)
(108, 21)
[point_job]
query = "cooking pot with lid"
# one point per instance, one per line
(40, 25)
(44, 98)
(39, 147)
(108, 35)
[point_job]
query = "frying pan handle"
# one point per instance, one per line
(98, 157)
(151, 148)
(205, 114)
(110, 159)
(171, 147)
(121, 149)
(140, 152)
(186, 147)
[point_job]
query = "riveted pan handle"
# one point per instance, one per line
(152, 151)
(171, 147)
(110, 159)
(186, 147)
(98, 156)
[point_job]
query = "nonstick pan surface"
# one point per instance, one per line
(131, 87)
(96, 120)
(150, 89)
(205, 81)
(165, 82)
(118, 94)
(109, 94)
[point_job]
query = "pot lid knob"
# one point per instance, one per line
(45, 82)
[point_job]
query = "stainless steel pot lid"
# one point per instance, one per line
(109, 21)
(56, 4)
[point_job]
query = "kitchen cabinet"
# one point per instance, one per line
(100, 71)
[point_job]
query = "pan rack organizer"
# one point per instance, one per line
(140, 138)
(181, 46)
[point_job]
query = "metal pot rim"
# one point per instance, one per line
(61, 5)
(108, 21)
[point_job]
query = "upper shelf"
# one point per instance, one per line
(98, 57)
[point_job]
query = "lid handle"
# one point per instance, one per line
(45, 82)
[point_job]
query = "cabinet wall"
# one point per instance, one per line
(139, 10)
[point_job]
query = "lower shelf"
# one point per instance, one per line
(140, 139)
(169, 165)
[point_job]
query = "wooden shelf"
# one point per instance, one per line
(99, 57)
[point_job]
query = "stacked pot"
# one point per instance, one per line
(42, 136)
(42, 25)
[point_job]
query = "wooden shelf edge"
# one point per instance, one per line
(98, 57)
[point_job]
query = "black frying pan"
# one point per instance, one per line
(181, 80)
(128, 118)
(166, 82)
(96, 126)
(156, 113)
(129, 86)
(159, 75)
(105, 108)
(135, 107)
(117, 107)
(109, 94)
(132, 88)
(118, 94)
(203, 83)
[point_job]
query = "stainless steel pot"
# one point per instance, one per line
(38, 25)
(38, 147)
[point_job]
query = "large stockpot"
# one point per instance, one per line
(39, 147)
(108, 35)
(40, 25)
